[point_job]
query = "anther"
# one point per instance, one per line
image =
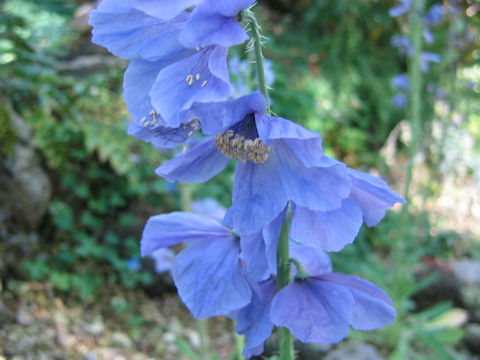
(189, 79)
(197, 77)
(204, 84)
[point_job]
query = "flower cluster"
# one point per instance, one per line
(431, 18)
(177, 89)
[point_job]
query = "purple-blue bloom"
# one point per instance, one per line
(320, 308)
(399, 100)
(163, 259)
(400, 9)
(404, 44)
(208, 273)
(434, 15)
(368, 202)
(401, 82)
(279, 160)
(427, 58)
(166, 77)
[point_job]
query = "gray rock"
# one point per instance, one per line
(25, 188)
(467, 271)
(472, 338)
(354, 350)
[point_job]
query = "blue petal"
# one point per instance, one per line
(373, 195)
(313, 310)
(314, 262)
(372, 309)
(164, 9)
(198, 164)
(253, 321)
(317, 188)
(209, 279)
(327, 230)
(208, 26)
(149, 126)
(217, 117)
(257, 196)
(171, 229)
(128, 33)
(229, 8)
(177, 88)
(305, 144)
(253, 254)
(163, 258)
(210, 207)
(271, 234)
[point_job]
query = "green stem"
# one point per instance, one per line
(283, 264)
(415, 76)
(283, 279)
(255, 31)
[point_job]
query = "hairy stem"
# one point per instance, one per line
(255, 31)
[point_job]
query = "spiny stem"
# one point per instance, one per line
(255, 31)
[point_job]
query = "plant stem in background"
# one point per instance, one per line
(285, 339)
(415, 77)
(201, 324)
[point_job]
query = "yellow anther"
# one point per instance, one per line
(146, 123)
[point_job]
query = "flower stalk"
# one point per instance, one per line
(283, 258)
(285, 339)
(256, 42)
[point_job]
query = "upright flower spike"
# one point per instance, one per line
(279, 160)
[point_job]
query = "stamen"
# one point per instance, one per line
(189, 79)
(236, 147)
(198, 48)
(204, 84)
(197, 77)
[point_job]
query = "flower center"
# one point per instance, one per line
(195, 75)
(241, 142)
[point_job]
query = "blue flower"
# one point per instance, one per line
(163, 259)
(401, 82)
(320, 308)
(401, 9)
(279, 161)
(214, 22)
(208, 273)
(404, 44)
(368, 202)
(399, 100)
(427, 58)
(165, 78)
(434, 15)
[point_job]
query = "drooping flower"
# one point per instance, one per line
(401, 82)
(166, 77)
(400, 9)
(399, 100)
(319, 308)
(207, 274)
(278, 161)
(212, 273)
